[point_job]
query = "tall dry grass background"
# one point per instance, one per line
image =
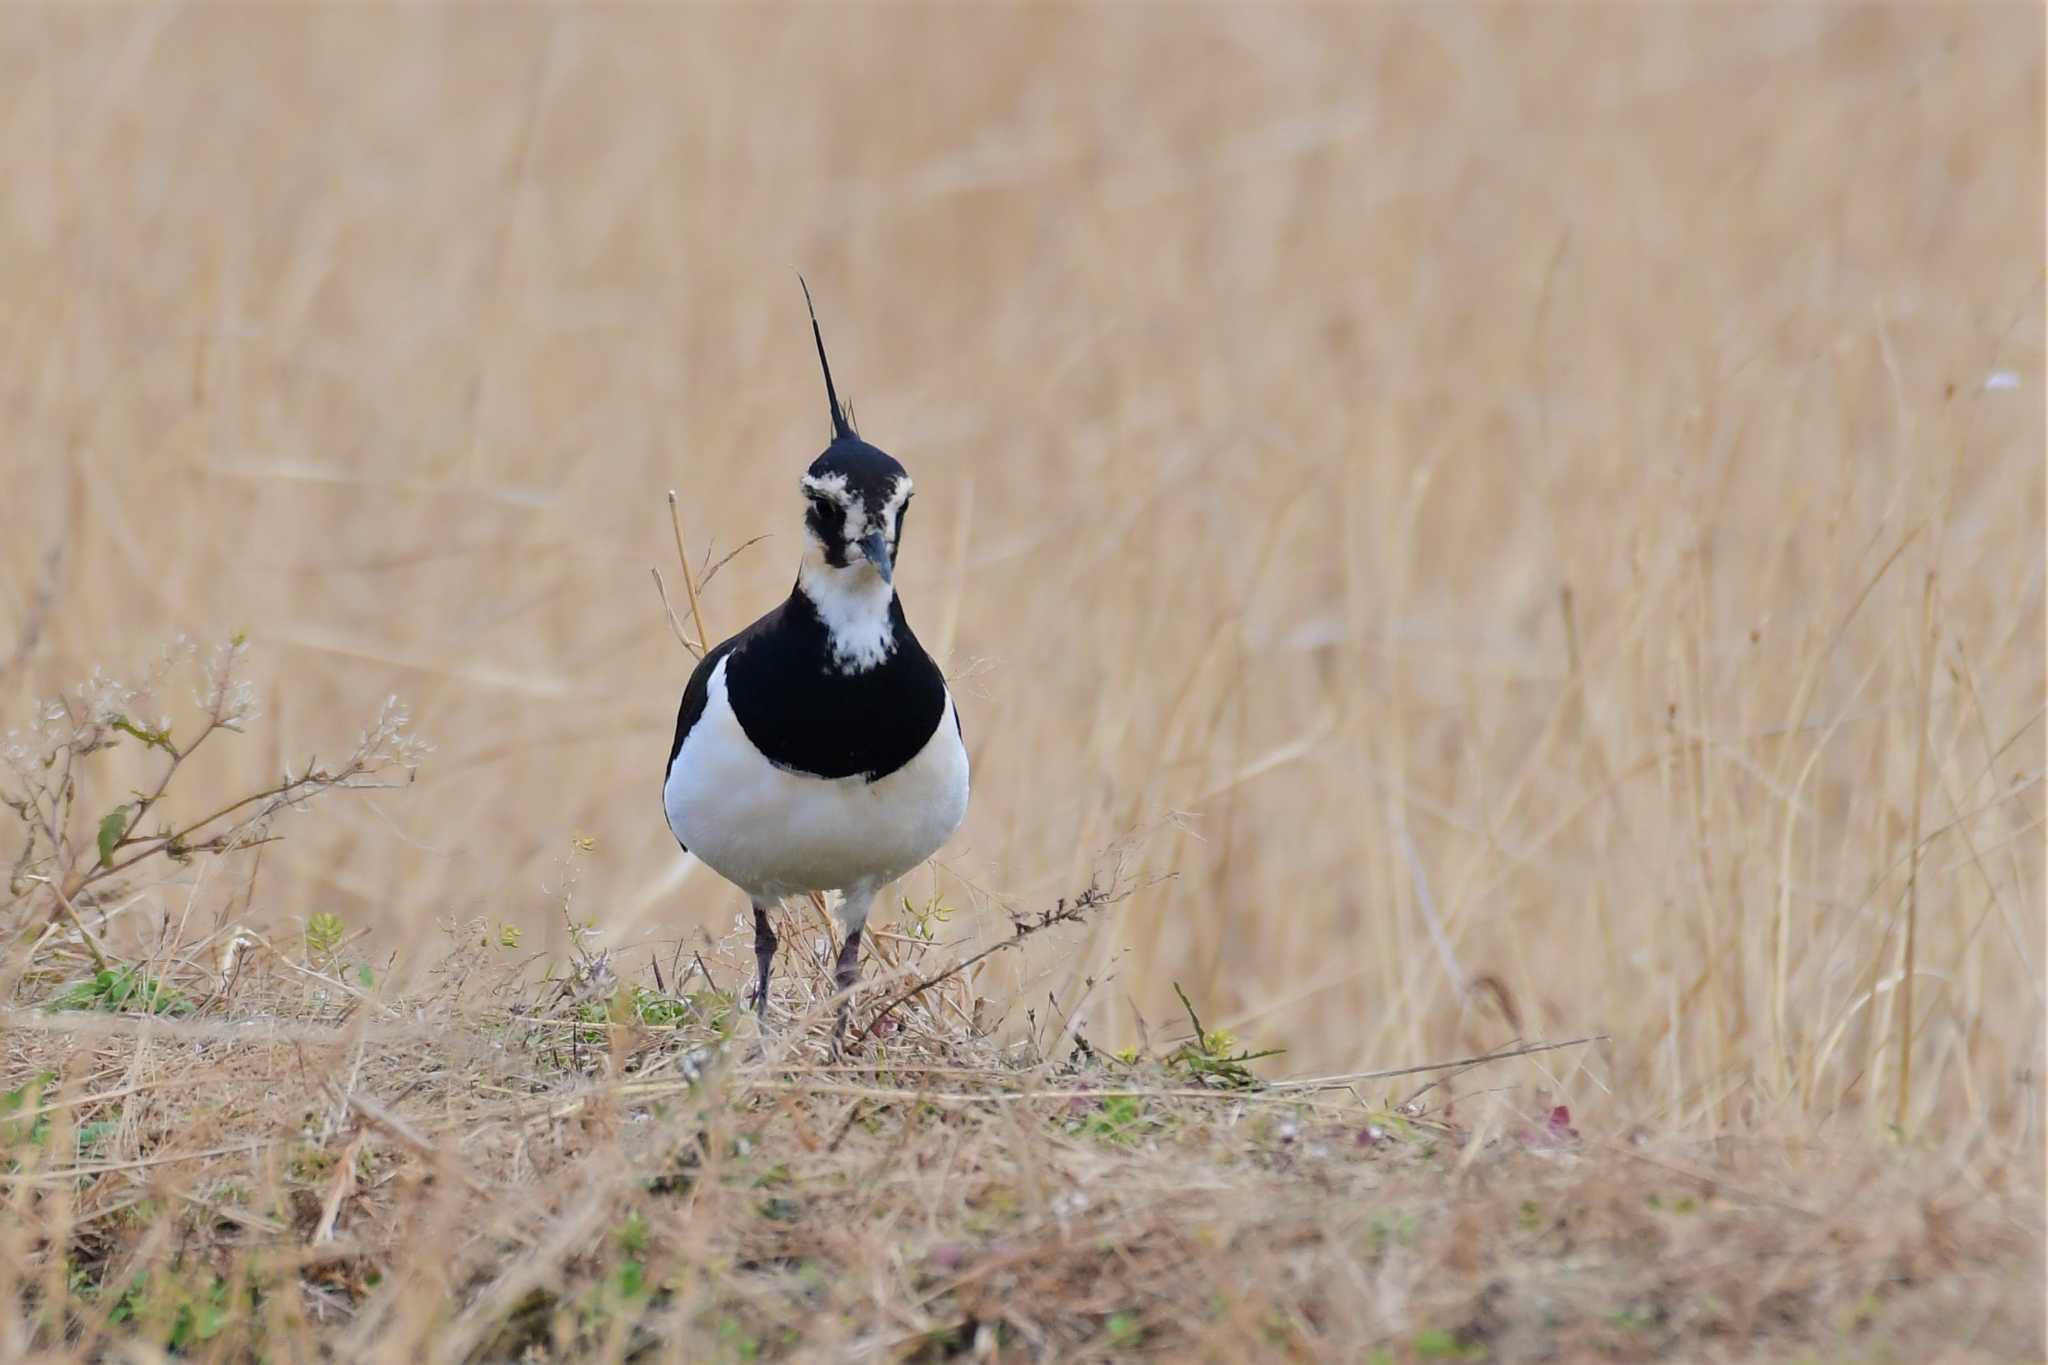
(1512, 506)
(1519, 523)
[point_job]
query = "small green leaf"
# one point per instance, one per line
(324, 933)
(1432, 1344)
(155, 739)
(365, 975)
(111, 829)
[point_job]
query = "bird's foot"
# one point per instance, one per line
(846, 972)
(842, 1046)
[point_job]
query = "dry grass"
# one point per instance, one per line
(1514, 524)
(533, 1176)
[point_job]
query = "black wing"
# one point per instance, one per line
(698, 689)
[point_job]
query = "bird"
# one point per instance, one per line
(820, 749)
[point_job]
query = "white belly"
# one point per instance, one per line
(775, 833)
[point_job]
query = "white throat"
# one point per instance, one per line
(853, 602)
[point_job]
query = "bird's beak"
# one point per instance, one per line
(875, 547)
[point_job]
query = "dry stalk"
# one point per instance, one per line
(1023, 927)
(1909, 962)
(675, 521)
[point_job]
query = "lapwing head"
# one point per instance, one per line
(856, 494)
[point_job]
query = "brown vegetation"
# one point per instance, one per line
(1466, 528)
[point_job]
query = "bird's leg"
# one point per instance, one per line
(848, 972)
(764, 953)
(853, 913)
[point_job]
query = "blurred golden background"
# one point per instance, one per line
(1459, 487)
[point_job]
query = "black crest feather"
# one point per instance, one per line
(842, 420)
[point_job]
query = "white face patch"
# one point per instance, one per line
(854, 509)
(834, 486)
(852, 598)
(898, 495)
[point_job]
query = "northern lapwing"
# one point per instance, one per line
(819, 749)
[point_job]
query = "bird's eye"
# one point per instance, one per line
(826, 516)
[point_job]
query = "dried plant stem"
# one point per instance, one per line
(1063, 912)
(283, 794)
(675, 522)
(695, 647)
(85, 935)
(711, 570)
(1498, 1055)
(1908, 961)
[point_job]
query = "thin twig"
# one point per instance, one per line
(727, 558)
(1909, 952)
(1353, 1077)
(380, 1117)
(344, 1186)
(1426, 902)
(675, 521)
(1063, 912)
(64, 1174)
(709, 979)
(695, 647)
(280, 797)
(99, 960)
(1433, 1083)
